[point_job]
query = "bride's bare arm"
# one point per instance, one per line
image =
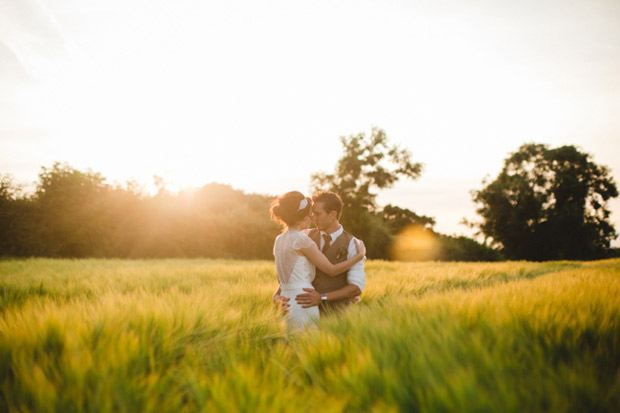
(317, 258)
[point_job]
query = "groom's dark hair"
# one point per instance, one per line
(331, 201)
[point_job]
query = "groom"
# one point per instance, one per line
(337, 245)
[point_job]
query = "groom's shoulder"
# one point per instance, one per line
(347, 236)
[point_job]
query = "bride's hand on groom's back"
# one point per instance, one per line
(361, 248)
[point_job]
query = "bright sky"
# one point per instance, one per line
(256, 93)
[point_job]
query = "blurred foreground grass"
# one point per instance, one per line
(202, 335)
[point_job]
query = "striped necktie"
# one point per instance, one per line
(328, 241)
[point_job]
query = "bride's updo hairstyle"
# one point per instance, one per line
(290, 208)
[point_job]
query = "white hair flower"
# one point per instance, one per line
(303, 204)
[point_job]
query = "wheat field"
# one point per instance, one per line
(202, 335)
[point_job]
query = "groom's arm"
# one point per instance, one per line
(356, 279)
(356, 274)
(346, 292)
(312, 297)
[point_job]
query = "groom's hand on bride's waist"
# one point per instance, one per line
(309, 299)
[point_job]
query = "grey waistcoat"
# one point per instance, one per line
(337, 252)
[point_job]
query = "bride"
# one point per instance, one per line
(297, 256)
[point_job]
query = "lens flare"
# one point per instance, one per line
(414, 243)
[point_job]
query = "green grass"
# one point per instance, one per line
(202, 335)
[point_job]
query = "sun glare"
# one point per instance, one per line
(414, 243)
(256, 94)
(144, 105)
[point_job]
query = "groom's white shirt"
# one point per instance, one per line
(356, 274)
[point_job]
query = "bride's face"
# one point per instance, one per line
(305, 222)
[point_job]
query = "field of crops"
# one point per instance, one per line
(203, 335)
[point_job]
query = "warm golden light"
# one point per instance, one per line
(251, 94)
(414, 243)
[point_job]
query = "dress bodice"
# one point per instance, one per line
(293, 269)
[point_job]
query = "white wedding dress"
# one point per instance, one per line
(295, 272)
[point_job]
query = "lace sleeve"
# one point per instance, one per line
(302, 241)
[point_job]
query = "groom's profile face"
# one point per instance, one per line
(321, 219)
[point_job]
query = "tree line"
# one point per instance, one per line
(77, 214)
(545, 204)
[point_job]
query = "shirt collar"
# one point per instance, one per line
(334, 235)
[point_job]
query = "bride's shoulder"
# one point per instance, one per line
(308, 233)
(301, 240)
(282, 237)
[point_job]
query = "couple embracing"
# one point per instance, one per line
(318, 269)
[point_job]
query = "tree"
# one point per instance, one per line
(75, 219)
(76, 214)
(398, 218)
(548, 204)
(8, 222)
(369, 163)
(460, 248)
(416, 240)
